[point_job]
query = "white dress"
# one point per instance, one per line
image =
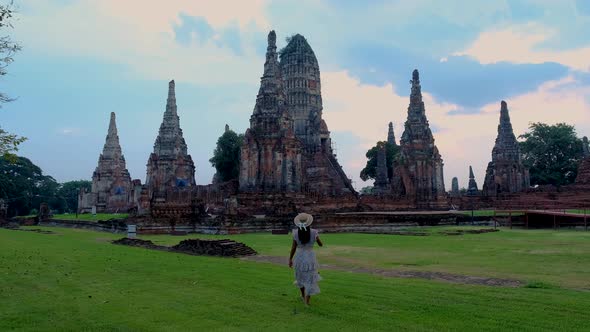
(306, 265)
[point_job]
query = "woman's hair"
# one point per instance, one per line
(304, 235)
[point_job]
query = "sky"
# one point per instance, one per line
(83, 59)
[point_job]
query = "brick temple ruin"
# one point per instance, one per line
(111, 183)
(272, 157)
(506, 172)
(287, 164)
(420, 165)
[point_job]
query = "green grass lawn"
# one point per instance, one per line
(76, 280)
(580, 211)
(489, 213)
(560, 258)
(90, 217)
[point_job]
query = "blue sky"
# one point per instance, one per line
(82, 60)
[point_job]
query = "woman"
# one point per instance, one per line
(305, 262)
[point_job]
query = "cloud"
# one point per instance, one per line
(459, 80)
(142, 36)
(70, 131)
(519, 44)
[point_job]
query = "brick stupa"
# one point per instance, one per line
(170, 166)
(505, 173)
(419, 166)
(111, 182)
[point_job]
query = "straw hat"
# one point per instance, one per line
(303, 220)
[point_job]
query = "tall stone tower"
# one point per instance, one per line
(170, 166)
(506, 172)
(472, 189)
(381, 185)
(391, 135)
(271, 154)
(301, 75)
(111, 182)
(420, 166)
(455, 187)
(301, 80)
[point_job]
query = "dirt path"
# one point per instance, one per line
(438, 276)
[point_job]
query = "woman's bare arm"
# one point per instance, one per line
(320, 243)
(293, 248)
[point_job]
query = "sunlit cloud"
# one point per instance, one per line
(523, 44)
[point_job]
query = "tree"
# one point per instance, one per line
(552, 153)
(8, 142)
(69, 192)
(370, 170)
(23, 186)
(226, 157)
(366, 190)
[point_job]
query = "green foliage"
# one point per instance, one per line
(7, 46)
(89, 284)
(366, 190)
(291, 48)
(226, 156)
(552, 153)
(24, 187)
(370, 170)
(8, 142)
(69, 191)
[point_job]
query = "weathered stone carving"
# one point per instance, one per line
(301, 81)
(391, 135)
(455, 187)
(170, 166)
(44, 213)
(271, 155)
(419, 166)
(111, 182)
(506, 172)
(288, 146)
(583, 176)
(381, 185)
(472, 189)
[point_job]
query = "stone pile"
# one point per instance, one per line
(223, 247)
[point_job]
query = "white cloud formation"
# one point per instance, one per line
(70, 131)
(521, 44)
(140, 34)
(463, 139)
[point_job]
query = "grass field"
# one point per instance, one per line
(490, 213)
(76, 280)
(90, 217)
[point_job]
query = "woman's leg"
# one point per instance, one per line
(307, 299)
(302, 289)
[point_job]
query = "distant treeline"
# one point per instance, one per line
(23, 187)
